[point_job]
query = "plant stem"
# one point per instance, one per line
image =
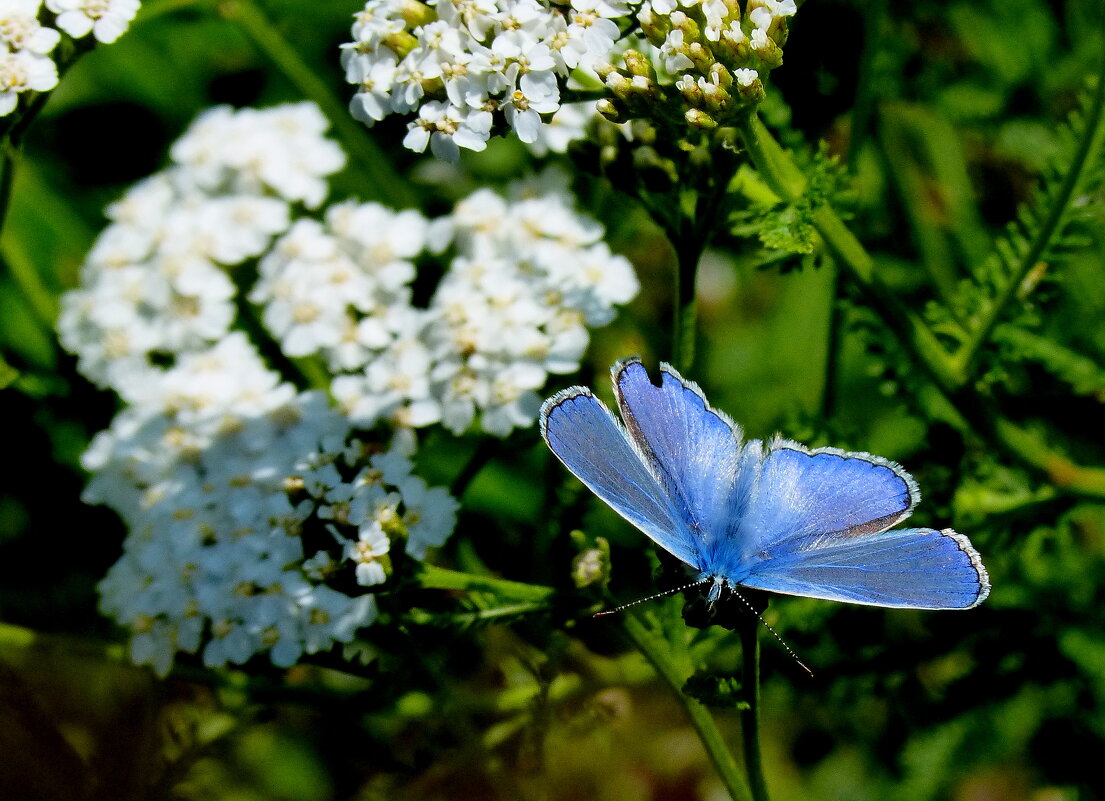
(658, 652)
(385, 183)
(688, 250)
(749, 630)
(787, 181)
(441, 578)
(832, 348)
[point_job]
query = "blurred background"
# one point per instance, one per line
(944, 115)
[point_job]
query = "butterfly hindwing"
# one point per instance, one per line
(914, 568)
(691, 448)
(800, 492)
(584, 435)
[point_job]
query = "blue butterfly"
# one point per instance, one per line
(772, 515)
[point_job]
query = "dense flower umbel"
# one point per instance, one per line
(464, 67)
(526, 280)
(156, 283)
(259, 522)
(224, 475)
(716, 53)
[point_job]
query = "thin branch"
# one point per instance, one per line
(658, 652)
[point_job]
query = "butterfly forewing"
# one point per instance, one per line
(692, 449)
(584, 435)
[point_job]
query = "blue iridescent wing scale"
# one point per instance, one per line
(914, 568)
(584, 435)
(693, 449)
(803, 492)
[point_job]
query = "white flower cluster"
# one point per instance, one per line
(466, 65)
(713, 50)
(224, 475)
(25, 43)
(155, 284)
(526, 280)
(464, 68)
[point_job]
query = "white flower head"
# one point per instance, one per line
(107, 20)
(21, 30)
(24, 71)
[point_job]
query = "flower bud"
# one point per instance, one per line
(400, 43)
(618, 84)
(603, 68)
(701, 56)
(720, 75)
(642, 87)
(416, 13)
(590, 567)
(716, 98)
(697, 118)
(592, 564)
(655, 27)
(609, 110)
(750, 87)
(766, 50)
(637, 64)
(691, 91)
(691, 31)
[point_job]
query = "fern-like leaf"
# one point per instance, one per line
(1051, 225)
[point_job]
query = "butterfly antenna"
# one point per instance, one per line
(774, 633)
(664, 594)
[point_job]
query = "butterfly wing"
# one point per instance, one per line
(913, 568)
(693, 450)
(815, 524)
(584, 435)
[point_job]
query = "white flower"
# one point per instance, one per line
(745, 77)
(106, 19)
(375, 79)
(537, 94)
(365, 553)
(430, 515)
(24, 71)
(445, 128)
(281, 149)
(20, 28)
(568, 124)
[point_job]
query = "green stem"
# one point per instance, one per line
(441, 578)
(9, 157)
(787, 181)
(386, 183)
(658, 652)
(832, 348)
(688, 250)
(749, 630)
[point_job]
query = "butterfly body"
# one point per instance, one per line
(770, 515)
